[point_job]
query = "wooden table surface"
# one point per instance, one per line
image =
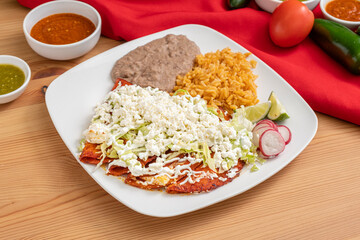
(45, 193)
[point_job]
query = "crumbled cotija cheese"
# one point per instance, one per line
(162, 122)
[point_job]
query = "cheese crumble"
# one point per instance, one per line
(135, 122)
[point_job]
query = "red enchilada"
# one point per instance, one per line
(174, 142)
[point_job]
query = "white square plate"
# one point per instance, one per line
(71, 98)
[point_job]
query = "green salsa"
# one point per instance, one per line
(11, 78)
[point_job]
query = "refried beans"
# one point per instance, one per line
(157, 63)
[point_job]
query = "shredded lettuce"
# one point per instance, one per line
(81, 145)
(113, 154)
(254, 168)
(181, 91)
(239, 121)
(213, 111)
(230, 163)
(144, 130)
(208, 159)
(172, 155)
(103, 148)
(96, 119)
(130, 135)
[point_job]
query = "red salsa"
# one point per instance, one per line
(348, 10)
(62, 28)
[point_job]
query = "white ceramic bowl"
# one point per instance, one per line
(7, 59)
(349, 24)
(270, 5)
(66, 51)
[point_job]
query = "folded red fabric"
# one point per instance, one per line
(321, 81)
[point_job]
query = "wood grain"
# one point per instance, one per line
(45, 194)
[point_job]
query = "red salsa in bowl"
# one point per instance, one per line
(62, 28)
(348, 10)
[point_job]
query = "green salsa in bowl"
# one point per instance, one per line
(11, 78)
(14, 77)
(271, 5)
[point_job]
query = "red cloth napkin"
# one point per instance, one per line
(321, 81)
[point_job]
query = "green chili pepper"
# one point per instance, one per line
(339, 42)
(235, 4)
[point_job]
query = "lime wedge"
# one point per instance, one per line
(277, 111)
(257, 112)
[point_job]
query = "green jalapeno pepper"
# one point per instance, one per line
(339, 42)
(235, 4)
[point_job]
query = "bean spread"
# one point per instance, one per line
(157, 63)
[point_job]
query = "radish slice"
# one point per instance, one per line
(264, 124)
(271, 143)
(257, 128)
(258, 131)
(263, 156)
(285, 133)
(266, 121)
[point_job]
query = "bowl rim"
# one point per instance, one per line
(322, 7)
(271, 5)
(307, 1)
(26, 80)
(92, 35)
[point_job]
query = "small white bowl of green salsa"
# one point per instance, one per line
(15, 75)
(270, 5)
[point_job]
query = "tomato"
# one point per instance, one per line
(290, 23)
(120, 81)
